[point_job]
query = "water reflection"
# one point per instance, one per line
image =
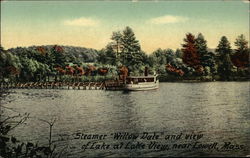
(220, 110)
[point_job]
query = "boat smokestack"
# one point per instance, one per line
(146, 71)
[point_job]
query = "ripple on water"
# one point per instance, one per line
(220, 110)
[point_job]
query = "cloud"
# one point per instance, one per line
(167, 19)
(83, 21)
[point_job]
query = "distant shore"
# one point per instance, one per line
(167, 78)
(102, 84)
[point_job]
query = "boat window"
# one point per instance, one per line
(140, 80)
(135, 80)
(128, 80)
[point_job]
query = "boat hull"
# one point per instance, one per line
(142, 86)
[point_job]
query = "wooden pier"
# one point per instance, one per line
(107, 85)
(114, 85)
(55, 85)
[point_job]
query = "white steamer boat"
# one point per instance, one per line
(141, 83)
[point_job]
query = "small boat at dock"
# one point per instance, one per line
(134, 83)
(141, 83)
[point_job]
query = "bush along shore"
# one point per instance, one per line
(193, 61)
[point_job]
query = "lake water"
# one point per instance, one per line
(218, 110)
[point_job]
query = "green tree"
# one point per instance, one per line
(29, 68)
(241, 56)
(59, 56)
(160, 56)
(224, 46)
(207, 58)
(152, 60)
(108, 56)
(241, 44)
(117, 44)
(3, 60)
(170, 55)
(9, 64)
(225, 66)
(178, 53)
(131, 51)
(201, 46)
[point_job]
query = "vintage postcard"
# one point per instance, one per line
(124, 79)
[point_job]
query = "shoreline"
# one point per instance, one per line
(96, 85)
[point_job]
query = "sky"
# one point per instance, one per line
(156, 24)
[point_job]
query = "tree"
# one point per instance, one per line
(241, 44)
(178, 53)
(201, 46)
(170, 55)
(190, 55)
(114, 48)
(152, 60)
(224, 47)
(3, 60)
(1, 48)
(117, 44)
(59, 56)
(160, 56)
(107, 56)
(241, 56)
(225, 66)
(29, 68)
(9, 64)
(131, 51)
(207, 58)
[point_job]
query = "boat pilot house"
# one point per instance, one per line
(139, 79)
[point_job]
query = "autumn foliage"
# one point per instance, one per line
(12, 70)
(79, 70)
(240, 60)
(102, 71)
(190, 55)
(60, 70)
(58, 48)
(174, 70)
(41, 50)
(123, 72)
(69, 70)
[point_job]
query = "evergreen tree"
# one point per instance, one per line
(207, 58)
(225, 66)
(224, 47)
(116, 47)
(131, 51)
(241, 44)
(241, 56)
(117, 44)
(110, 56)
(201, 46)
